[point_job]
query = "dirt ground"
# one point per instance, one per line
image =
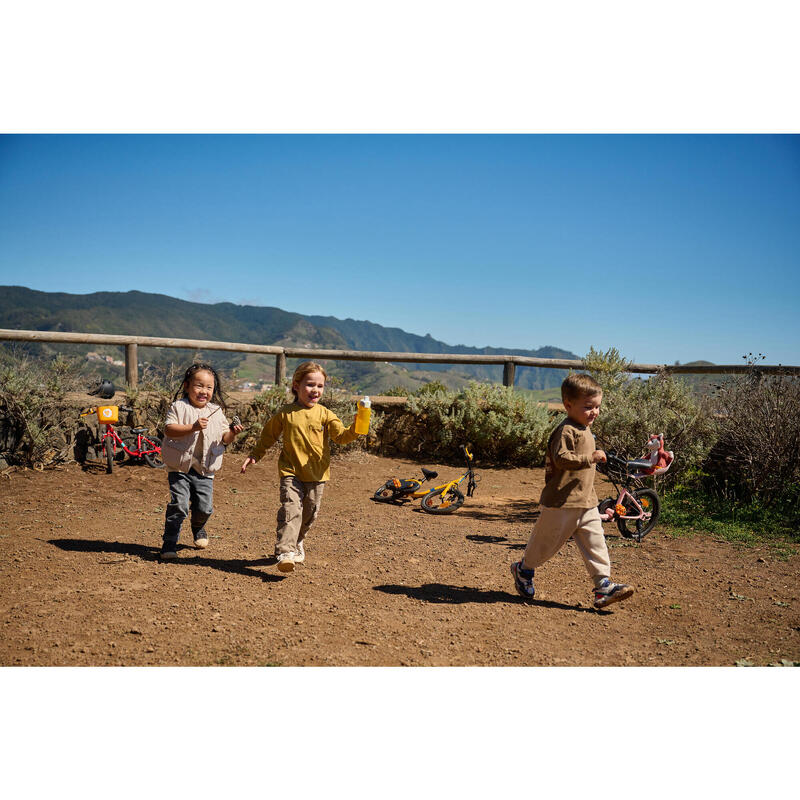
(80, 583)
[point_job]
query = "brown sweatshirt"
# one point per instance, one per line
(569, 471)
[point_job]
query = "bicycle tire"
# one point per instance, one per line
(637, 529)
(384, 494)
(153, 460)
(434, 503)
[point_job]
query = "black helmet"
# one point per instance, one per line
(104, 390)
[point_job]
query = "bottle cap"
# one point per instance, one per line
(365, 403)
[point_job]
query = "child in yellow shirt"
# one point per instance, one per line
(304, 464)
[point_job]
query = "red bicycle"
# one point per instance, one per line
(146, 448)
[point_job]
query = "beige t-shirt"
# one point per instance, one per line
(197, 455)
(569, 471)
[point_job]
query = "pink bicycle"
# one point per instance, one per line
(636, 508)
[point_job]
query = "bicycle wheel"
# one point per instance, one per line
(384, 494)
(639, 528)
(153, 459)
(108, 446)
(435, 503)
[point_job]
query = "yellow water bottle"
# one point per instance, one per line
(363, 415)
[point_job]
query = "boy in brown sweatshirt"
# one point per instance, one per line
(568, 501)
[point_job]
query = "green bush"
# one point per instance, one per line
(503, 426)
(634, 409)
(32, 393)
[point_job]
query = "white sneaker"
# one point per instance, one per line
(286, 562)
(201, 544)
(300, 553)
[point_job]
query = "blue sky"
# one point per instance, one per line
(668, 247)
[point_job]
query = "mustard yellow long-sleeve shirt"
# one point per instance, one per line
(307, 433)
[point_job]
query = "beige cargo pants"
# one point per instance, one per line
(556, 525)
(300, 504)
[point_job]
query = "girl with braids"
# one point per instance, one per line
(196, 433)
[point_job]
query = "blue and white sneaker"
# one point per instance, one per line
(523, 580)
(607, 593)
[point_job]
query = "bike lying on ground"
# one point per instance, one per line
(145, 448)
(636, 509)
(442, 499)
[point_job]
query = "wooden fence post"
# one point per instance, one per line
(131, 365)
(280, 369)
(508, 373)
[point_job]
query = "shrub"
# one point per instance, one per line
(503, 426)
(397, 391)
(757, 456)
(609, 369)
(634, 409)
(32, 393)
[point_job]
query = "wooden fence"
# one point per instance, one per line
(509, 362)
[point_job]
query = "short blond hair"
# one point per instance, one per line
(580, 385)
(306, 368)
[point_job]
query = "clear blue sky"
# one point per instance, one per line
(675, 247)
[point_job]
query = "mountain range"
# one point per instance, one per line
(149, 314)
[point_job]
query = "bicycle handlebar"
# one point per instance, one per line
(94, 408)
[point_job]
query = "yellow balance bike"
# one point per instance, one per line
(442, 499)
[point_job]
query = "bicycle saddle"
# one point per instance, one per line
(137, 431)
(429, 474)
(639, 463)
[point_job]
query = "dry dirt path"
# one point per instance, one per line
(382, 585)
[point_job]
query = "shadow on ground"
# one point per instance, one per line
(456, 595)
(487, 539)
(525, 512)
(238, 566)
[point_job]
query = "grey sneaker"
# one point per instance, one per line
(168, 555)
(607, 593)
(285, 562)
(300, 553)
(523, 580)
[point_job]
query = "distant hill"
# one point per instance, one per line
(146, 314)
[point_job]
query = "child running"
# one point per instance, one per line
(196, 433)
(568, 501)
(304, 464)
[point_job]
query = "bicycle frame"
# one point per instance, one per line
(111, 443)
(636, 508)
(443, 488)
(618, 510)
(117, 439)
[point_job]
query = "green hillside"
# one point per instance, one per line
(148, 314)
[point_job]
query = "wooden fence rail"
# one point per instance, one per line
(509, 362)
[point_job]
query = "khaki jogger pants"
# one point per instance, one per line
(556, 525)
(300, 504)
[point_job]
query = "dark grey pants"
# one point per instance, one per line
(188, 491)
